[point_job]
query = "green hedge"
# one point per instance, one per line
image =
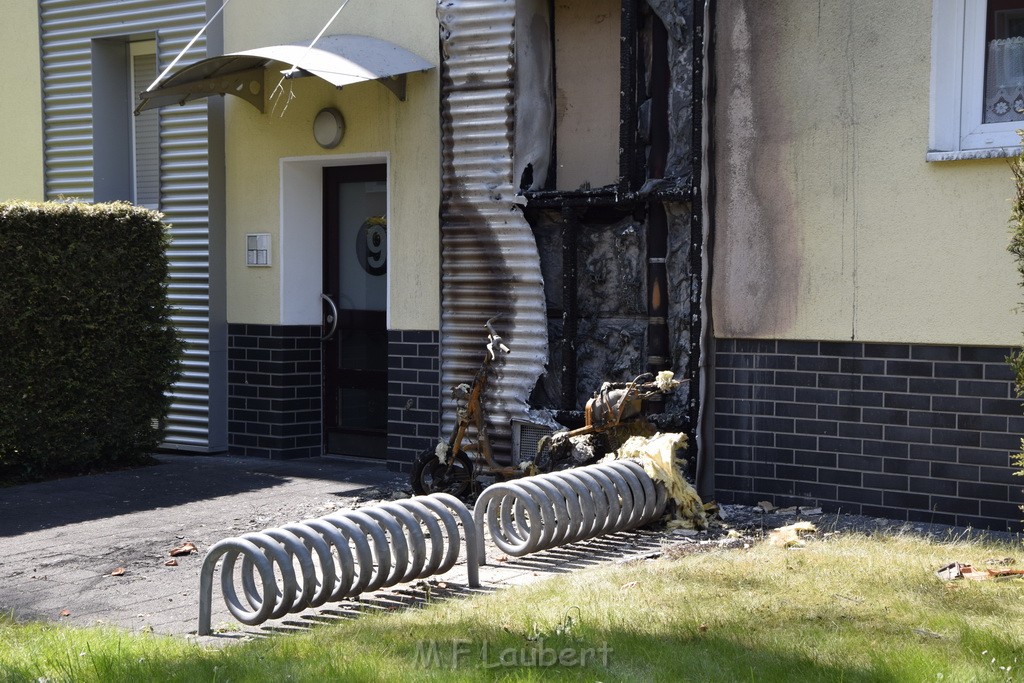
(1016, 247)
(87, 347)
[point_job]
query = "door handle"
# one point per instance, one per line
(332, 318)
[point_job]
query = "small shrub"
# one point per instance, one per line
(88, 350)
(1016, 247)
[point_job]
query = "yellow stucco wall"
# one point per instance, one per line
(21, 117)
(830, 224)
(376, 123)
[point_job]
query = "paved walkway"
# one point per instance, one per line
(61, 541)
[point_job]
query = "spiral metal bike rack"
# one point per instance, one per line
(543, 511)
(287, 569)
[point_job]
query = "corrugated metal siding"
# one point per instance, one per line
(490, 263)
(67, 29)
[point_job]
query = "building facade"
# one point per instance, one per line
(799, 209)
(863, 298)
(226, 171)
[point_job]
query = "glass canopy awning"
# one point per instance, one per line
(339, 59)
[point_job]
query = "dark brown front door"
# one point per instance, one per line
(355, 278)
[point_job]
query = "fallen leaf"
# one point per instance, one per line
(171, 563)
(187, 548)
(118, 572)
(65, 613)
(702, 628)
(926, 633)
(501, 558)
(627, 585)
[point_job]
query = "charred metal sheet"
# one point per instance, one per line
(611, 277)
(535, 102)
(609, 349)
(489, 259)
(683, 302)
(676, 16)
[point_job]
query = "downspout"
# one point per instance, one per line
(705, 466)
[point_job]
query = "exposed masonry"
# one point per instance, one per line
(413, 389)
(921, 433)
(274, 390)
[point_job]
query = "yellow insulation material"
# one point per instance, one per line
(791, 536)
(657, 455)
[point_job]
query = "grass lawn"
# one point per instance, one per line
(845, 608)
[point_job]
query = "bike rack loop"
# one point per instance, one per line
(337, 556)
(543, 511)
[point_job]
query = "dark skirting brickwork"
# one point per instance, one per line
(920, 433)
(274, 390)
(414, 379)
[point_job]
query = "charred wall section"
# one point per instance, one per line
(621, 262)
(595, 282)
(606, 273)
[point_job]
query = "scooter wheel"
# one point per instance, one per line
(429, 475)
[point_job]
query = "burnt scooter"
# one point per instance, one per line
(448, 468)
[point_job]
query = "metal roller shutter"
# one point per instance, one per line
(68, 29)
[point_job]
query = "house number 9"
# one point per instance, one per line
(372, 245)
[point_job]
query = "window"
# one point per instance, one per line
(145, 136)
(977, 88)
(126, 148)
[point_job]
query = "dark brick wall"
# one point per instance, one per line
(274, 390)
(921, 433)
(414, 380)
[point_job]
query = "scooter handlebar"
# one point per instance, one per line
(494, 340)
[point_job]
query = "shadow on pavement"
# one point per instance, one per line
(173, 481)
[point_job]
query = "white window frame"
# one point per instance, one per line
(956, 130)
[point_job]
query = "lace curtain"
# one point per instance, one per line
(1004, 81)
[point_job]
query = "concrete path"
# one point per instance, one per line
(62, 541)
